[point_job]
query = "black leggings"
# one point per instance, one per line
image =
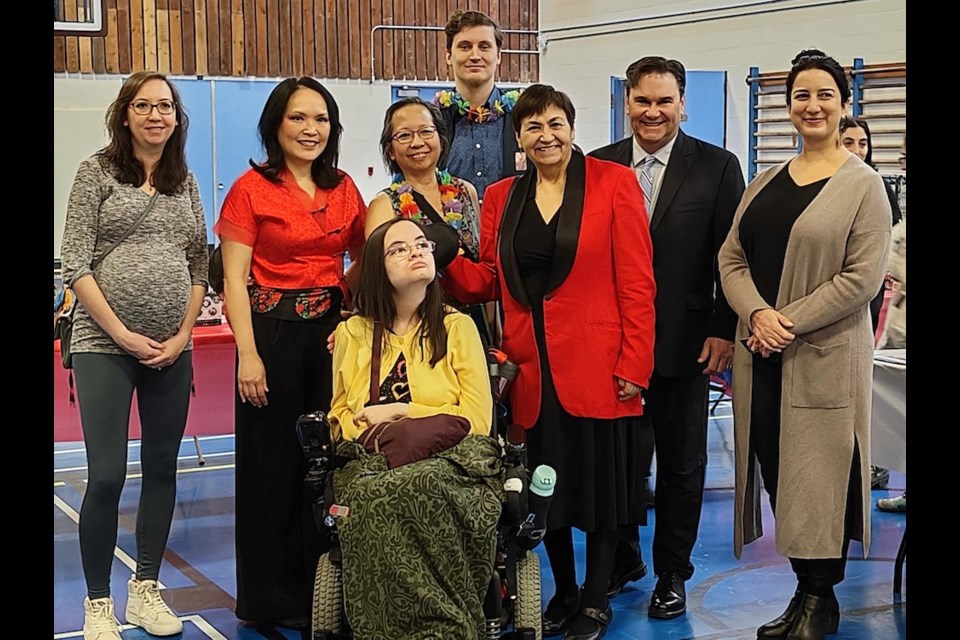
(105, 385)
(819, 574)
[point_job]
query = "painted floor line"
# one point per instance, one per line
(117, 551)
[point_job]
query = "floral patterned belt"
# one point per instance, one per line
(299, 304)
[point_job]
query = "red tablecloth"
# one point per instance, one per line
(211, 409)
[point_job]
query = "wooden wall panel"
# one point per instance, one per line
(330, 69)
(296, 37)
(261, 66)
(225, 41)
(59, 54)
(176, 38)
(188, 35)
(201, 37)
(163, 36)
(309, 39)
(286, 41)
(280, 38)
(273, 38)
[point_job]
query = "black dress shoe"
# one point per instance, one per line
(620, 579)
(669, 598)
(557, 613)
(780, 627)
(818, 617)
(600, 617)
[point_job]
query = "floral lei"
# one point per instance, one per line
(451, 195)
(481, 114)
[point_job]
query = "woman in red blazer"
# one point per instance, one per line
(566, 248)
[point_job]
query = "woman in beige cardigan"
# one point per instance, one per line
(805, 255)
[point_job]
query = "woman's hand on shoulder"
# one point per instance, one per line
(252, 380)
(379, 413)
(772, 329)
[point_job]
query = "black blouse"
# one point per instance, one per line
(766, 225)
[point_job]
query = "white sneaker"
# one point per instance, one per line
(99, 623)
(147, 610)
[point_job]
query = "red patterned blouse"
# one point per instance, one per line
(298, 242)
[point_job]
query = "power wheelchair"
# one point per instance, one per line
(512, 603)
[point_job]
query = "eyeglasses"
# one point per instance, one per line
(144, 108)
(402, 250)
(406, 137)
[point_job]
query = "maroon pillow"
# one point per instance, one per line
(413, 439)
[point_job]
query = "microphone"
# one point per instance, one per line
(534, 527)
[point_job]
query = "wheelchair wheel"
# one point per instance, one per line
(526, 610)
(327, 597)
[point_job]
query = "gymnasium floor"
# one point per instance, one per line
(727, 599)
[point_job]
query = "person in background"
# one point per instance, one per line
(430, 580)
(802, 373)
(285, 224)
(139, 298)
(478, 115)
(855, 137)
(567, 248)
(895, 328)
(691, 189)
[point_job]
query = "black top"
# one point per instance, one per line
(766, 225)
(396, 387)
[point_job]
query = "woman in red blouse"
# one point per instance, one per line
(284, 227)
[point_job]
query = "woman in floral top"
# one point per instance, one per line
(284, 226)
(415, 144)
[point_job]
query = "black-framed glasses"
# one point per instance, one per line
(406, 137)
(401, 250)
(144, 108)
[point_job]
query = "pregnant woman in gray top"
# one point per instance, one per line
(138, 304)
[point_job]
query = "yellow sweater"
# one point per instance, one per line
(457, 385)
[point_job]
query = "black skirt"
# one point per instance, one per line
(600, 477)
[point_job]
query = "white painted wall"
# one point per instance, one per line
(80, 105)
(704, 35)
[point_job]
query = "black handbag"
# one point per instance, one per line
(63, 330)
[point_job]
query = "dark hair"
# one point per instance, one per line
(386, 136)
(849, 122)
(324, 169)
(536, 99)
(171, 171)
(816, 59)
(461, 20)
(374, 299)
(659, 65)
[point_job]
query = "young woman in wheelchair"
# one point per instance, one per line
(418, 540)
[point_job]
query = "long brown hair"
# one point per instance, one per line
(171, 171)
(375, 297)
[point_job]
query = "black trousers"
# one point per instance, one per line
(105, 386)
(765, 442)
(676, 411)
(277, 542)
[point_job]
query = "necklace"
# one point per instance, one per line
(480, 114)
(452, 197)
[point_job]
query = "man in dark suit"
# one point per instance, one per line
(691, 189)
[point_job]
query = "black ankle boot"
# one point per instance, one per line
(818, 616)
(780, 627)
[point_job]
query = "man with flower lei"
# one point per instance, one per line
(483, 147)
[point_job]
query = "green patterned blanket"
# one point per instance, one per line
(419, 541)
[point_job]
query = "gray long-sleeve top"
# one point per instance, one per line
(147, 278)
